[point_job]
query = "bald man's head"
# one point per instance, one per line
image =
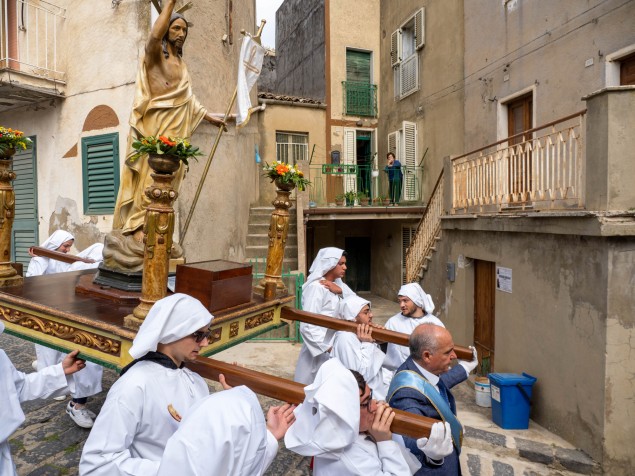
(432, 347)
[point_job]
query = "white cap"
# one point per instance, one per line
(326, 260)
(351, 306)
(169, 320)
(418, 296)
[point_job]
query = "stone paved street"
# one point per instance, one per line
(49, 443)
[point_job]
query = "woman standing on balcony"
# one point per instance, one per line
(395, 178)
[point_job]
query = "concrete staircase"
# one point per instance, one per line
(258, 239)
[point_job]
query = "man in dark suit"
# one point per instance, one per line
(421, 386)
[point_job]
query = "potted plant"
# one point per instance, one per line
(350, 197)
(339, 200)
(10, 140)
(383, 200)
(286, 176)
(363, 198)
(165, 154)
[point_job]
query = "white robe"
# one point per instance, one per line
(364, 357)
(224, 434)
(317, 340)
(397, 354)
(134, 425)
(364, 458)
(17, 387)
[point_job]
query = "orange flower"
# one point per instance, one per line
(167, 141)
(282, 169)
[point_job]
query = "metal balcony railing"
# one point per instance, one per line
(360, 99)
(331, 180)
(29, 37)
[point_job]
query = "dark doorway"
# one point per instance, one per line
(358, 263)
(364, 162)
(484, 289)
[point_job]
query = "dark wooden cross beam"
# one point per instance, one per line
(405, 423)
(382, 335)
(57, 255)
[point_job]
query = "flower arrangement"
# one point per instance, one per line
(13, 139)
(286, 174)
(177, 147)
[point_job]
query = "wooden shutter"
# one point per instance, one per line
(358, 66)
(100, 160)
(409, 161)
(350, 158)
(395, 48)
(25, 226)
(420, 29)
(409, 75)
(392, 142)
(627, 70)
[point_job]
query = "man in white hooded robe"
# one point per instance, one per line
(235, 441)
(17, 387)
(144, 406)
(359, 351)
(88, 382)
(320, 294)
(345, 429)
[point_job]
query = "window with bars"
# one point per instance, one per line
(100, 165)
(405, 44)
(292, 147)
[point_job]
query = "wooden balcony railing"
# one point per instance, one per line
(541, 168)
(428, 231)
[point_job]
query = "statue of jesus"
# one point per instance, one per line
(163, 105)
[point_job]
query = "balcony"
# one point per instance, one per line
(29, 53)
(332, 180)
(360, 99)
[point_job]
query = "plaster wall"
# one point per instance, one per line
(300, 49)
(286, 118)
(558, 311)
(100, 72)
(437, 107)
(554, 49)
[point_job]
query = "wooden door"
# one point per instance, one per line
(627, 70)
(484, 319)
(519, 119)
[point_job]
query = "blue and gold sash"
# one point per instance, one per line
(410, 379)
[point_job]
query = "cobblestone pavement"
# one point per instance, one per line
(49, 443)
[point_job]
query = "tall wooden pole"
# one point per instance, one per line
(8, 275)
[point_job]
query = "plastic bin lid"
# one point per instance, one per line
(512, 379)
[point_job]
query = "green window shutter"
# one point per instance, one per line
(25, 226)
(100, 165)
(358, 66)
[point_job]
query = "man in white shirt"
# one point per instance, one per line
(416, 308)
(144, 407)
(346, 430)
(226, 434)
(359, 351)
(17, 387)
(320, 294)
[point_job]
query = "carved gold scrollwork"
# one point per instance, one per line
(258, 320)
(61, 331)
(215, 335)
(233, 329)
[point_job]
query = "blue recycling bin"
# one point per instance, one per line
(511, 400)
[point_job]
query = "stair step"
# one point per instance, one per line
(263, 228)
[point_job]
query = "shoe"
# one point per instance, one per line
(81, 416)
(61, 398)
(34, 365)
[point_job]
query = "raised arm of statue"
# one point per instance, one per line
(154, 45)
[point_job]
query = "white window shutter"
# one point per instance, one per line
(420, 28)
(392, 143)
(350, 158)
(409, 77)
(395, 48)
(409, 161)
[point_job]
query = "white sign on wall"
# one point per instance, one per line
(504, 279)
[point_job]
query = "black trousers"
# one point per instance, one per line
(395, 190)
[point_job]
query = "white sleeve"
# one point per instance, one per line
(314, 338)
(270, 452)
(392, 460)
(37, 266)
(106, 452)
(48, 382)
(364, 357)
(346, 291)
(313, 297)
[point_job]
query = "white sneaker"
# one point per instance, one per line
(80, 416)
(34, 365)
